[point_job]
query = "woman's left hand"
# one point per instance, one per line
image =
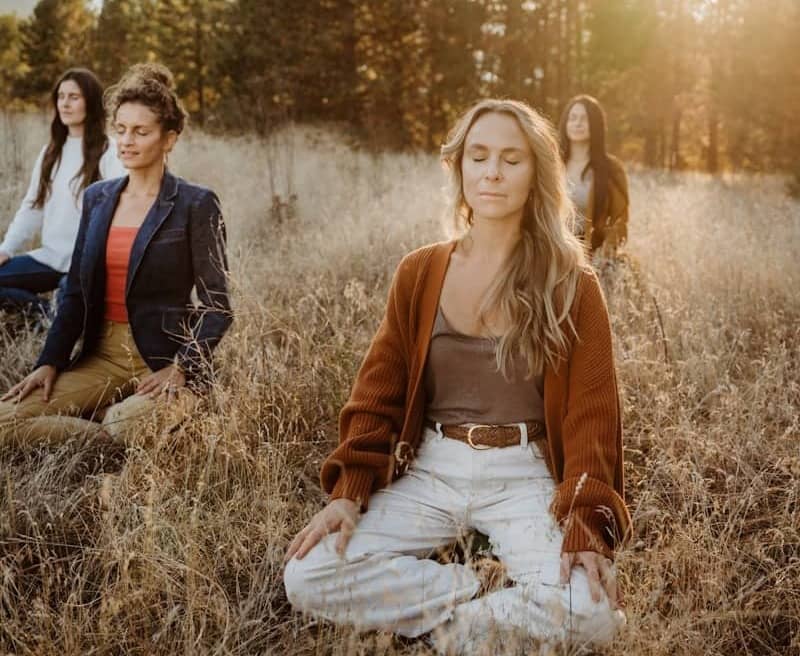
(599, 571)
(165, 381)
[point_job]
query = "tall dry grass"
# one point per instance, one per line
(174, 545)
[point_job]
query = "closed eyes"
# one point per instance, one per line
(507, 161)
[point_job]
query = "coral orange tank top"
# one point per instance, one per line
(118, 254)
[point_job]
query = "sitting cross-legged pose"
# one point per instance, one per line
(487, 400)
(79, 153)
(145, 242)
(596, 180)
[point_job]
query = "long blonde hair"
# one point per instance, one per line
(535, 289)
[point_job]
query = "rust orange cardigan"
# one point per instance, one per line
(382, 421)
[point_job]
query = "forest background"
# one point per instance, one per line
(700, 84)
(317, 122)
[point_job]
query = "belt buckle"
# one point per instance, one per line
(477, 447)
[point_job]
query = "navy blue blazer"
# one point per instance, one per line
(180, 246)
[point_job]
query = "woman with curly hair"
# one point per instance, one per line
(145, 242)
(487, 400)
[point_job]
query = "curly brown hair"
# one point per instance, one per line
(152, 85)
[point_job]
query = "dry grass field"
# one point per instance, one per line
(174, 544)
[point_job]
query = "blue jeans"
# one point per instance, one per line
(22, 279)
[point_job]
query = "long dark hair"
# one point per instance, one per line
(598, 157)
(95, 141)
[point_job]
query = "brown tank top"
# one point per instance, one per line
(463, 385)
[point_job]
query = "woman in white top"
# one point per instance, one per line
(78, 154)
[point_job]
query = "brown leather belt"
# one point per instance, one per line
(483, 436)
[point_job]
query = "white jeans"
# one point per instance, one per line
(385, 582)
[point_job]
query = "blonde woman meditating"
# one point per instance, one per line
(491, 378)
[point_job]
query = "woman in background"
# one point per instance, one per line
(79, 153)
(493, 366)
(145, 242)
(596, 181)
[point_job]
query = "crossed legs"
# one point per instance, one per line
(385, 582)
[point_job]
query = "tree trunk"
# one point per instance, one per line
(675, 161)
(712, 156)
(545, 60)
(717, 25)
(651, 146)
(578, 80)
(198, 51)
(561, 82)
(568, 43)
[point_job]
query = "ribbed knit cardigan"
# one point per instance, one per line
(382, 421)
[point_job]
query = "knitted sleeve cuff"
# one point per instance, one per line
(354, 483)
(588, 529)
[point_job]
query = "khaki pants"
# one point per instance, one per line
(95, 396)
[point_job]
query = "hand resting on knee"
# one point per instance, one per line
(339, 515)
(44, 377)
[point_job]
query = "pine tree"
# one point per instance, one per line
(289, 61)
(454, 39)
(53, 39)
(393, 71)
(12, 68)
(186, 36)
(118, 40)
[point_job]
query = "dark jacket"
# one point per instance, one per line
(609, 224)
(180, 246)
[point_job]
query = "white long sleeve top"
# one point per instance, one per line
(58, 219)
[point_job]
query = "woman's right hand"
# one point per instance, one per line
(4, 257)
(45, 377)
(339, 515)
